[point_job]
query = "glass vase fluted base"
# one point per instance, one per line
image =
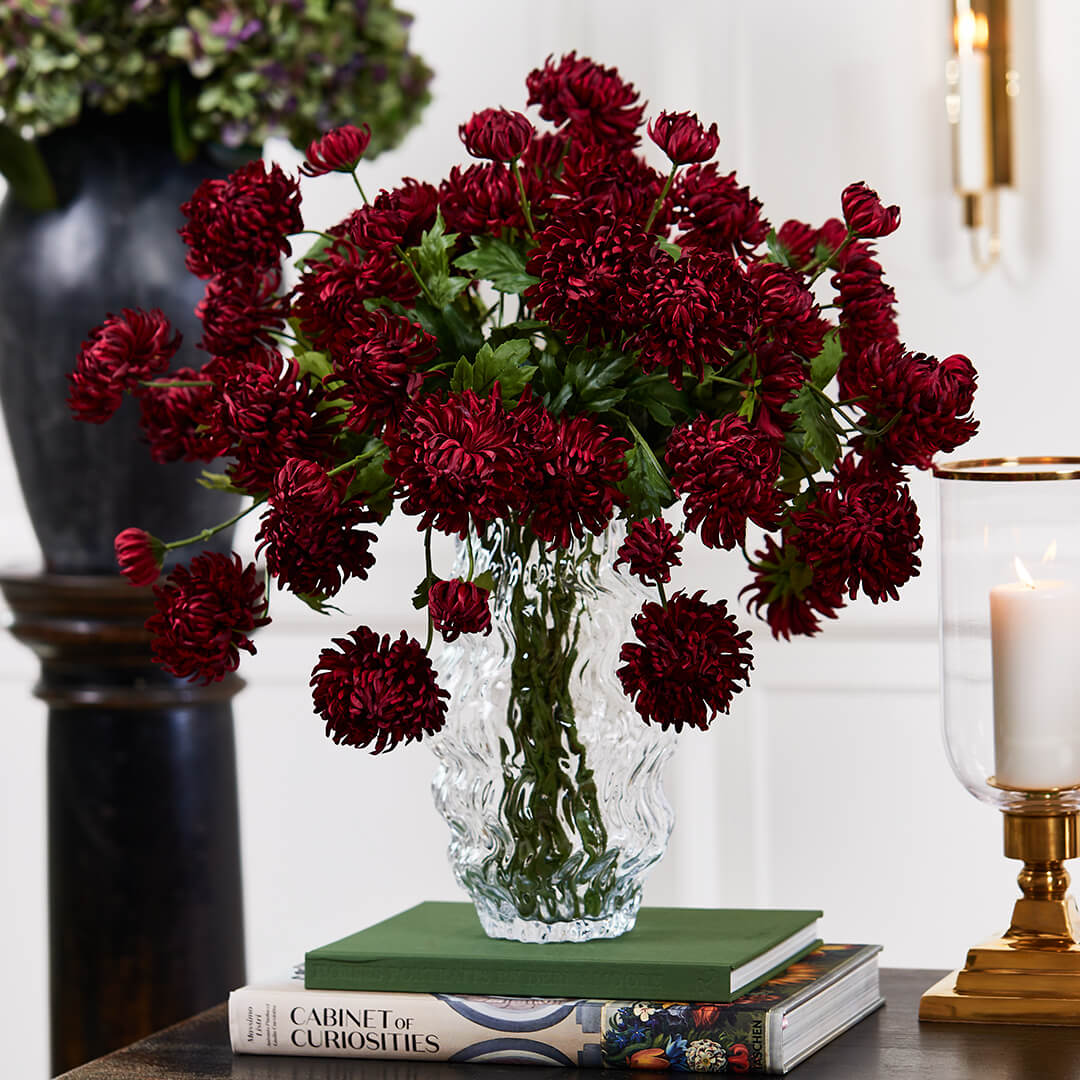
(500, 923)
(549, 780)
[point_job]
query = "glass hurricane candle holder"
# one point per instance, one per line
(1010, 645)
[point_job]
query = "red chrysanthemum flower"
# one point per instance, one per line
(268, 414)
(397, 218)
(370, 690)
(543, 157)
(382, 369)
(205, 612)
(458, 607)
(792, 595)
(172, 418)
(800, 242)
(331, 293)
(925, 404)
(242, 221)
(696, 309)
(125, 350)
(339, 150)
(593, 101)
(578, 466)
(683, 137)
(859, 531)
(585, 264)
(240, 308)
(867, 314)
(309, 531)
(650, 551)
(139, 556)
(457, 461)
(715, 213)
(496, 134)
(689, 663)
(773, 376)
(865, 214)
(617, 185)
(728, 474)
(483, 199)
(787, 311)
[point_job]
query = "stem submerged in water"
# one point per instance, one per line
(558, 866)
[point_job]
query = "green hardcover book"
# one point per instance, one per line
(673, 954)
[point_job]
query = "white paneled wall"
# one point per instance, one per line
(827, 786)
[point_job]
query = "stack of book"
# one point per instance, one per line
(692, 989)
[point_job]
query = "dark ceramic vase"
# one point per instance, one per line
(112, 244)
(146, 922)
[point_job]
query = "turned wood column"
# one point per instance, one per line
(145, 916)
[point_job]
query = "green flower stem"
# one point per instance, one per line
(168, 384)
(515, 168)
(316, 232)
(550, 796)
(351, 463)
(359, 187)
(661, 197)
(829, 261)
(198, 538)
(399, 251)
(427, 567)
(663, 595)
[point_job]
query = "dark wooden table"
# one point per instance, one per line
(889, 1044)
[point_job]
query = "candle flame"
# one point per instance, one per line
(1050, 554)
(971, 30)
(1022, 574)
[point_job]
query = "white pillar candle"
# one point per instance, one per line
(1035, 638)
(973, 132)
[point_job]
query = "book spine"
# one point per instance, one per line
(495, 1030)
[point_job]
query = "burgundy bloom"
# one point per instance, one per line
(241, 221)
(309, 531)
(267, 413)
(124, 351)
(543, 157)
(860, 530)
(790, 592)
(728, 473)
(241, 307)
(339, 150)
(397, 218)
(458, 607)
(139, 556)
(496, 134)
(172, 417)
(925, 403)
(456, 461)
(617, 185)
(593, 101)
(381, 371)
(204, 613)
(773, 377)
(683, 137)
(867, 312)
(650, 551)
(696, 309)
(331, 293)
(689, 663)
(800, 242)
(786, 309)
(579, 466)
(585, 265)
(864, 213)
(371, 690)
(714, 212)
(484, 199)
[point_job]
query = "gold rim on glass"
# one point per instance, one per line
(1010, 468)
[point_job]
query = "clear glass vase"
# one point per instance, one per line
(549, 780)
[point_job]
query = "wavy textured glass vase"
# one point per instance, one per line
(549, 780)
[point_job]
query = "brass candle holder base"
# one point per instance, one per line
(1030, 975)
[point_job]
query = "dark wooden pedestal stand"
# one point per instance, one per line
(145, 917)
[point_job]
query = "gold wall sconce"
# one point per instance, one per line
(982, 84)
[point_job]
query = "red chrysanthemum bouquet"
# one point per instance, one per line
(553, 337)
